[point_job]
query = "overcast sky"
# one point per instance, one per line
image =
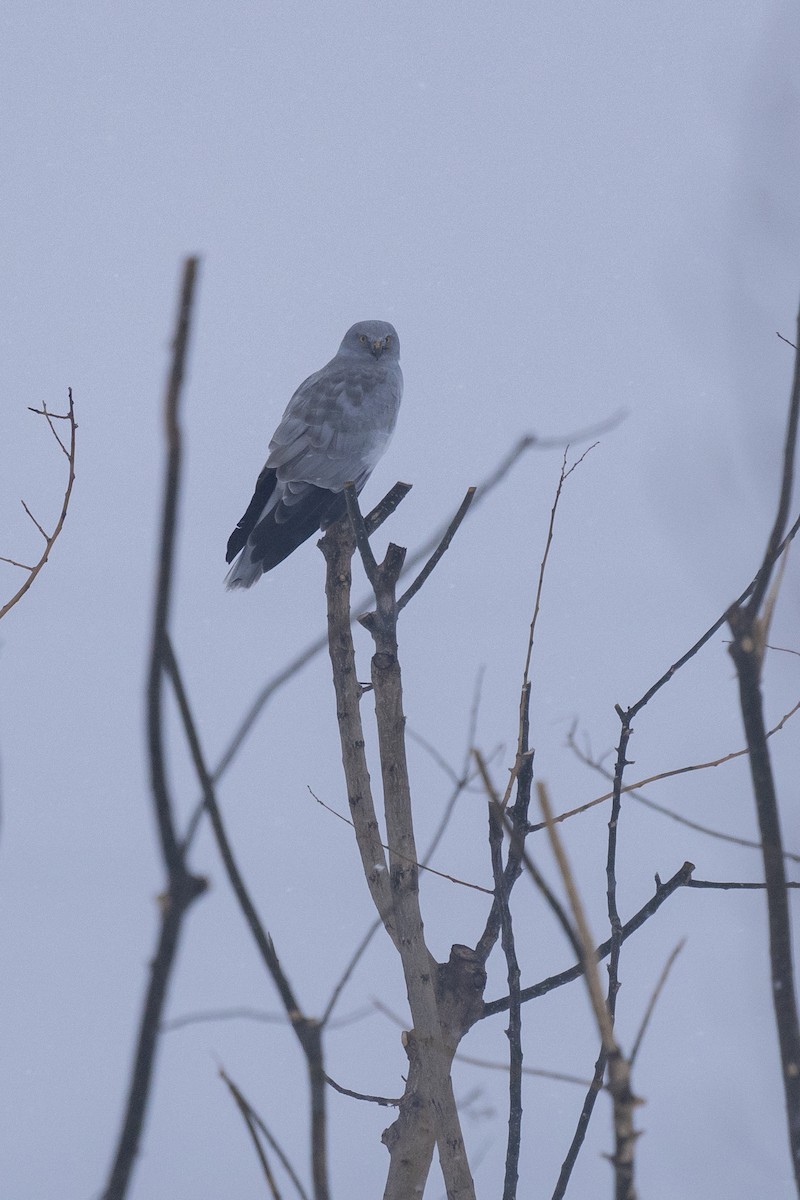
(565, 210)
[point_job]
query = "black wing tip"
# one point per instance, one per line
(235, 543)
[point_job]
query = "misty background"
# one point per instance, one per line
(565, 210)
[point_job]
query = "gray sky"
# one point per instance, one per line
(564, 210)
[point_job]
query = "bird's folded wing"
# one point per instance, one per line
(329, 436)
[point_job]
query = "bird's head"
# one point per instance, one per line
(377, 338)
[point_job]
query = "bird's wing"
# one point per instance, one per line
(336, 427)
(265, 487)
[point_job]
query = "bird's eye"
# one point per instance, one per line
(362, 337)
(388, 340)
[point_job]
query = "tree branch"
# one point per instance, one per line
(749, 628)
(49, 538)
(428, 1113)
(182, 887)
(663, 891)
(253, 1119)
(307, 1030)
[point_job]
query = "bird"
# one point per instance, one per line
(335, 428)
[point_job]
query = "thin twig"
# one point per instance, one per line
(44, 534)
(13, 562)
(657, 990)
(640, 783)
(485, 1064)
(586, 758)
(50, 539)
(252, 1129)
(223, 1014)
(275, 1145)
(709, 633)
(563, 476)
(434, 559)
(383, 1101)
(252, 1014)
(489, 935)
(347, 974)
(539, 1072)
(420, 866)
(662, 893)
(734, 884)
(360, 531)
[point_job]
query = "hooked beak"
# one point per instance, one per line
(377, 347)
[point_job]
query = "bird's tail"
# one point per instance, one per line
(243, 573)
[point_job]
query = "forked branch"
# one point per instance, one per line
(68, 450)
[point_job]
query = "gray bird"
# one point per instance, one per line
(335, 428)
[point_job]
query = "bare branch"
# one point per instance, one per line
(307, 1030)
(36, 523)
(50, 417)
(347, 974)
(520, 858)
(588, 959)
(657, 990)
(434, 559)
(383, 1101)
(257, 1121)
(539, 1072)
(619, 1084)
(662, 893)
(244, 1013)
(486, 1063)
(183, 887)
(49, 539)
(385, 507)
(736, 884)
(170, 847)
(640, 783)
(564, 474)
(709, 633)
(776, 538)
(13, 562)
(223, 1014)
(630, 789)
(502, 889)
(252, 1129)
(360, 531)
(749, 624)
(421, 866)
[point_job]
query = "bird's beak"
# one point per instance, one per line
(377, 347)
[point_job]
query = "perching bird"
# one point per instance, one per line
(335, 428)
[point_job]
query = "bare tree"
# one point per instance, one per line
(446, 999)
